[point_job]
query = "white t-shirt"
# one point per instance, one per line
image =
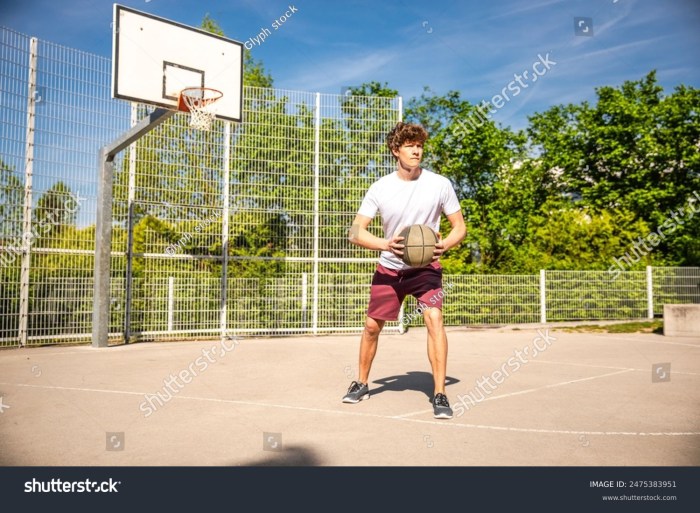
(403, 203)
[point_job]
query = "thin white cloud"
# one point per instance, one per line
(508, 12)
(334, 72)
(614, 53)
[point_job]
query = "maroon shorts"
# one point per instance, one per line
(390, 287)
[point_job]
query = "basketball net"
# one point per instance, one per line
(200, 102)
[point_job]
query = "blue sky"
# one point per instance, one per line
(474, 47)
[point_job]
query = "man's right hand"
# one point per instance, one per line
(395, 246)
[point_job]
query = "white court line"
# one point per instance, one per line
(208, 399)
(697, 346)
(607, 367)
(529, 390)
(587, 365)
(375, 415)
(596, 335)
(551, 431)
(75, 389)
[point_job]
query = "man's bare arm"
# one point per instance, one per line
(360, 236)
(456, 235)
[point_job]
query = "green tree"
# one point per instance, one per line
(498, 188)
(353, 155)
(635, 150)
(11, 203)
(608, 174)
(254, 73)
(568, 236)
(11, 196)
(56, 209)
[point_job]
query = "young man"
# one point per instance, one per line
(410, 195)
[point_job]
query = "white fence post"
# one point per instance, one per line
(543, 298)
(304, 299)
(650, 293)
(131, 198)
(402, 326)
(171, 302)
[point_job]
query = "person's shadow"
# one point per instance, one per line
(288, 456)
(419, 381)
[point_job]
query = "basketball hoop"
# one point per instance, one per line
(200, 103)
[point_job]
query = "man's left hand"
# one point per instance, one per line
(439, 249)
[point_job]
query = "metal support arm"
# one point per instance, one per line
(103, 228)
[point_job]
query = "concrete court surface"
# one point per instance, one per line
(580, 399)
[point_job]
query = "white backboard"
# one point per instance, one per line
(153, 59)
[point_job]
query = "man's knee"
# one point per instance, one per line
(373, 326)
(433, 318)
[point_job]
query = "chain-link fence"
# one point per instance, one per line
(240, 230)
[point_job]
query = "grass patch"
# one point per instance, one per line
(627, 327)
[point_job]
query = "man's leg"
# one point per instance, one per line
(384, 303)
(437, 354)
(437, 347)
(368, 346)
(359, 390)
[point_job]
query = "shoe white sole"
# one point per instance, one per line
(350, 401)
(442, 416)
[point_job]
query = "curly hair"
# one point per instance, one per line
(403, 133)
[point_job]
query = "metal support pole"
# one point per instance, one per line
(103, 249)
(103, 228)
(317, 184)
(27, 236)
(223, 319)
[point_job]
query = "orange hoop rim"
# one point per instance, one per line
(203, 102)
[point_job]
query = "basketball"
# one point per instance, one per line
(419, 243)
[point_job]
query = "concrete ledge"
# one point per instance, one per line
(682, 320)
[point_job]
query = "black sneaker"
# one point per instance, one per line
(441, 407)
(356, 393)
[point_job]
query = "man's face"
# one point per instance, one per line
(409, 154)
